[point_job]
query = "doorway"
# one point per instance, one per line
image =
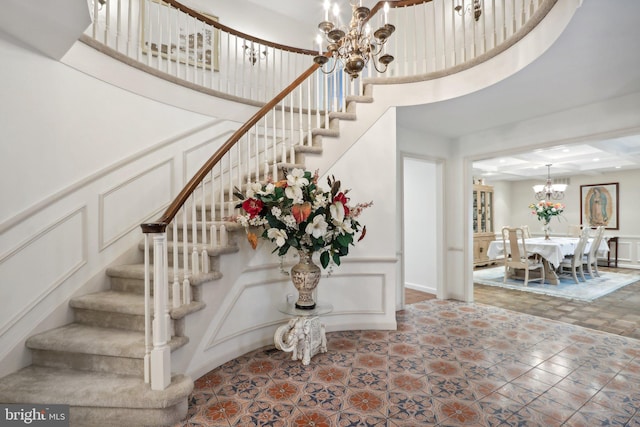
(421, 220)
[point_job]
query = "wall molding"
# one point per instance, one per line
(55, 197)
(238, 294)
(186, 153)
(61, 279)
(102, 244)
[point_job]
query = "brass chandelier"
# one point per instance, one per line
(354, 46)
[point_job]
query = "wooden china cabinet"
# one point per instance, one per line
(483, 233)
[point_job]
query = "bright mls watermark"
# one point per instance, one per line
(34, 415)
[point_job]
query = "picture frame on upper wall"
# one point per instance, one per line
(172, 35)
(599, 205)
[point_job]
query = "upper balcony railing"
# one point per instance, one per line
(172, 41)
(189, 46)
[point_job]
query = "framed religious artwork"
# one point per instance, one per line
(599, 205)
(177, 37)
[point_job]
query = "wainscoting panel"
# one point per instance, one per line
(127, 205)
(31, 270)
(194, 158)
(254, 306)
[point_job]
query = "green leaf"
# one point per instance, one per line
(324, 259)
(345, 239)
(336, 258)
(284, 249)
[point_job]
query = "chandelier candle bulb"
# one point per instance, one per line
(386, 13)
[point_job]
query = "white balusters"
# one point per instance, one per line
(203, 221)
(185, 252)
(195, 264)
(176, 279)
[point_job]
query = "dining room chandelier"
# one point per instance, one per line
(353, 46)
(549, 191)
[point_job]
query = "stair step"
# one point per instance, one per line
(121, 310)
(211, 251)
(314, 149)
(360, 98)
(92, 348)
(343, 115)
(130, 277)
(78, 338)
(98, 398)
(326, 132)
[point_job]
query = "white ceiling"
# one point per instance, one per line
(596, 58)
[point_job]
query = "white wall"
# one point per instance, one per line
(420, 222)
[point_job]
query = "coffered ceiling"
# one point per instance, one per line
(592, 158)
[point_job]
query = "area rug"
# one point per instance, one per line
(589, 290)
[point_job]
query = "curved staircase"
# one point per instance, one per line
(95, 364)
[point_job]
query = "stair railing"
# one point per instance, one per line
(193, 47)
(184, 45)
(195, 225)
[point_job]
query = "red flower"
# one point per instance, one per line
(253, 207)
(340, 197)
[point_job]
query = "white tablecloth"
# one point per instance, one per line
(553, 250)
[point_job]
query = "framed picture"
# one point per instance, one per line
(599, 205)
(178, 37)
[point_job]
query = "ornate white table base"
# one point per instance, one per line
(304, 335)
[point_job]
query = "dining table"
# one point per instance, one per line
(552, 252)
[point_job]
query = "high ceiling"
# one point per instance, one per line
(596, 58)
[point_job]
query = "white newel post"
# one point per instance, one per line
(161, 353)
(160, 357)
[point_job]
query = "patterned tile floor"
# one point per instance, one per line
(448, 364)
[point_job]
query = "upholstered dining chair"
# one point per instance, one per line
(590, 259)
(573, 263)
(515, 255)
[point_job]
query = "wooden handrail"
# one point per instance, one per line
(160, 225)
(229, 30)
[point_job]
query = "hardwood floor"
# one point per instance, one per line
(412, 296)
(617, 312)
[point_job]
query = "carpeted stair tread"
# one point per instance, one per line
(126, 303)
(136, 271)
(112, 301)
(36, 384)
(343, 115)
(326, 132)
(84, 339)
(359, 98)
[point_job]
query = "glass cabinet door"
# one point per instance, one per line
(483, 209)
(475, 211)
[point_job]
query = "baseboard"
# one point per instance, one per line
(420, 288)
